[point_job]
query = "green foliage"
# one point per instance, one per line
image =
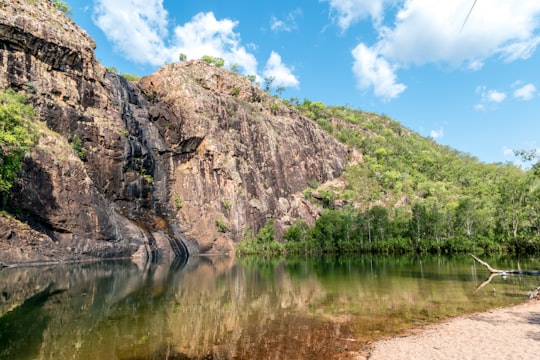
(268, 82)
(148, 179)
(297, 232)
(430, 198)
(235, 91)
(212, 60)
(178, 202)
(406, 193)
(62, 6)
(235, 68)
(18, 134)
(182, 57)
(128, 77)
(76, 145)
(112, 69)
(262, 243)
(313, 184)
(280, 90)
(222, 226)
(131, 77)
(252, 79)
(274, 108)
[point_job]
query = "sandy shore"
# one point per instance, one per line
(508, 333)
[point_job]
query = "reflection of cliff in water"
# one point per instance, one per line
(205, 307)
(221, 308)
(49, 312)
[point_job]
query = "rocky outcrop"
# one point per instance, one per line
(239, 156)
(182, 162)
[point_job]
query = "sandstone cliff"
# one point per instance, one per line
(182, 162)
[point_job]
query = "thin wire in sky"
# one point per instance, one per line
(467, 18)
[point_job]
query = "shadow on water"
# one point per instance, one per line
(224, 308)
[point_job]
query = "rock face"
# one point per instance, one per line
(182, 162)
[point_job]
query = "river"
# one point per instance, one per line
(246, 308)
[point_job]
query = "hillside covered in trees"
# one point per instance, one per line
(402, 192)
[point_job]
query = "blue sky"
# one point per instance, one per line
(471, 85)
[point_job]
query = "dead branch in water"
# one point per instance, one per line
(506, 272)
(497, 272)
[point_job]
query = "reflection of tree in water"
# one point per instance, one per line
(218, 308)
(22, 329)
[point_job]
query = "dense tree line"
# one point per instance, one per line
(407, 193)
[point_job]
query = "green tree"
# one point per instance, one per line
(252, 79)
(112, 69)
(419, 223)
(62, 6)
(235, 68)
(18, 134)
(76, 145)
(466, 215)
(513, 189)
(212, 60)
(182, 57)
(268, 82)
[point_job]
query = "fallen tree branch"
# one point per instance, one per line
(506, 272)
(488, 280)
(497, 272)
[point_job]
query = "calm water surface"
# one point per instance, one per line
(226, 308)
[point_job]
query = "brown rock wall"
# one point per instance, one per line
(256, 155)
(184, 160)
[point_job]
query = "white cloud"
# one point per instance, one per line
(475, 65)
(347, 12)
(139, 31)
(520, 49)
(135, 27)
(205, 35)
(479, 107)
(426, 31)
(507, 152)
(372, 70)
(287, 25)
(495, 96)
(526, 92)
(436, 134)
(278, 25)
(281, 74)
(488, 98)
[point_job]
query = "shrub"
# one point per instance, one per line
(62, 6)
(131, 77)
(222, 226)
(235, 68)
(76, 145)
(18, 134)
(262, 243)
(178, 202)
(112, 69)
(212, 60)
(148, 179)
